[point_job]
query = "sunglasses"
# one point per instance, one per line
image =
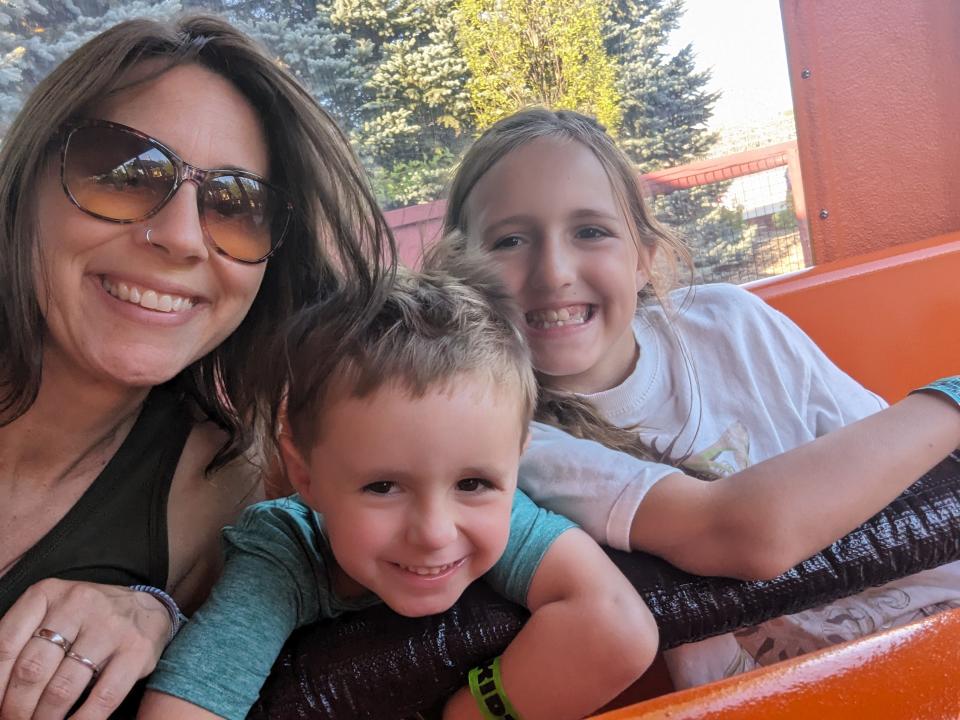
(116, 173)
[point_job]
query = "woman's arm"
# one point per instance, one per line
(765, 519)
(589, 636)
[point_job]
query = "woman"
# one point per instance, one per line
(168, 195)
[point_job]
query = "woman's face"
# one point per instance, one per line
(125, 311)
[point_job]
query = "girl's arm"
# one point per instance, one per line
(765, 519)
(589, 636)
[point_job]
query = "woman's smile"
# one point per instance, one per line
(147, 297)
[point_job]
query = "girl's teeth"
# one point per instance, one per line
(149, 299)
(546, 319)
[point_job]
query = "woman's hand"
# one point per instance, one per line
(62, 637)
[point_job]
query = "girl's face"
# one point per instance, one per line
(548, 216)
(125, 311)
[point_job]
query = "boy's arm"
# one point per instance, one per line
(160, 705)
(767, 518)
(589, 636)
(218, 662)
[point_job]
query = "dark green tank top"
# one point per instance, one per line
(116, 533)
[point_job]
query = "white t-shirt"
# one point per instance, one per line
(723, 381)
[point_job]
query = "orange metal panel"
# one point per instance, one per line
(877, 103)
(909, 672)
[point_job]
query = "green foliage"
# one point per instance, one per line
(414, 112)
(665, 105)
(546, 53)
(36, 35)
(721, 240)
(412, 81)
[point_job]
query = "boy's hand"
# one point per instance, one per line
(589, 637)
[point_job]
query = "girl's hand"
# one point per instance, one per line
(62, 637)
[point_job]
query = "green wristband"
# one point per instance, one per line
(949, 386)
(487, 689)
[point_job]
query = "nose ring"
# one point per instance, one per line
(149, 241)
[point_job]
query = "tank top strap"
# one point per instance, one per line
(116, 533)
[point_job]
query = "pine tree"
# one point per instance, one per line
(545, 53)
(666, 107)
(389, 71)
(414, 116)
(36, 35)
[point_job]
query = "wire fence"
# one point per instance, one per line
(741, 214)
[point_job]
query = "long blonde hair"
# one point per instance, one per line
(556, 407)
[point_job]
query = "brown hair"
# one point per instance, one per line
(337, 232)
(562, 409)
(425, 329)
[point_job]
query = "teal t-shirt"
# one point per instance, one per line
(277, 579)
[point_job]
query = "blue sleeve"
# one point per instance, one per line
(532, 531)
(222, 656)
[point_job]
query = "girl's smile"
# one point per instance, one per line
(564, 316)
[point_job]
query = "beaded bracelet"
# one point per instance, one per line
(487, 690)
(177, 618)
(949, 386)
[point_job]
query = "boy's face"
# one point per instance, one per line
(416, 493)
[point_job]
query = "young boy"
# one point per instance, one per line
(408, 410)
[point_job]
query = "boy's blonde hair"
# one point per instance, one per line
(420, 330)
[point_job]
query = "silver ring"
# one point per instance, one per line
(85, 661)
(149, 241)
(53, 637)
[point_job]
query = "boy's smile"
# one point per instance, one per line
(416, 493)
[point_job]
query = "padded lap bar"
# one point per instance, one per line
(377, 664)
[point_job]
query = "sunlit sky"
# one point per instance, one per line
(741, 42)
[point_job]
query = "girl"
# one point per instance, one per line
(408, 412)
(701, 384)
